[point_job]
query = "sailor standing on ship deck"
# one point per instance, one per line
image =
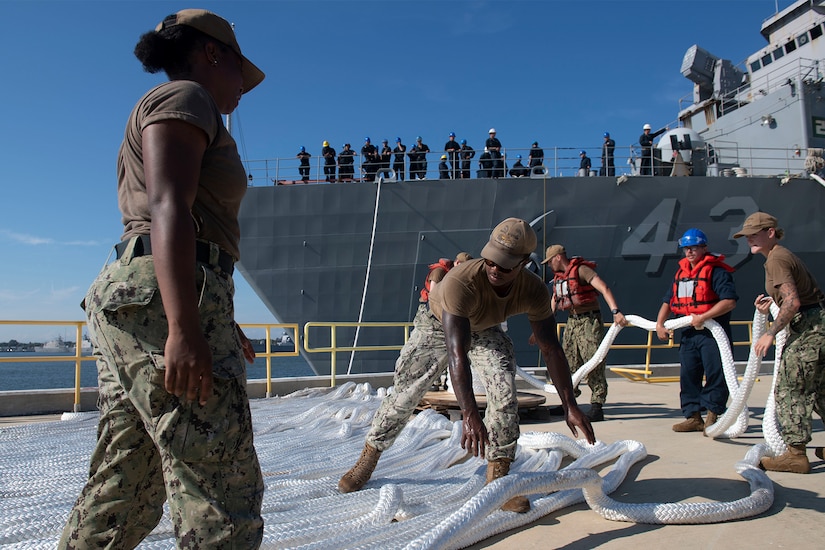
(329, 162)
(646, 141)
(463, 324)
(608, 167)
(398, 163)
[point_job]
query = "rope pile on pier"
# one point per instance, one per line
(425, 493)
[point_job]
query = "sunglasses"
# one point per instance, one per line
(500, 269)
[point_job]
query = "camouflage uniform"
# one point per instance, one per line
(800, 386)
(153, 446)
(581, 338)
(424, 358)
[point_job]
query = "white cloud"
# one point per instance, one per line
(24, 238)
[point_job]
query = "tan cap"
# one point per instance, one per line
(218, 28)
(755, 223)
(509, 243)
(462, 257)
(552, 251)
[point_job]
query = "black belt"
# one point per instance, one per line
(594, 313)
(143, 247)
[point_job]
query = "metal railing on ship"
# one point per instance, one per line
(643, 374)
(726, 159)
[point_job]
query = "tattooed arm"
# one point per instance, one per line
(789, 308)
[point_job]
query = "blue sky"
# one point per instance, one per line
(558, 71)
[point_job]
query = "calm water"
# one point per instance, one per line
(45, 375)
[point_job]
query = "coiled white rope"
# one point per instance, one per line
(425, 481)
(734, 422)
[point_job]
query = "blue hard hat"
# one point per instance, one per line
(303, 148)
(463, 142)
(607, 134)
(418, 138)
(398, 140)
(366, 138)
(693, 237)
(582, 153)
(452, 134)
(518, 156)
(384, 141)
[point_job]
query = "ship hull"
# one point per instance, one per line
(314, 253)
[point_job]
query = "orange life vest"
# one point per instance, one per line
(692, 289)
(569, 290)
(443, 263)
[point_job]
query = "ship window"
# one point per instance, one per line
(778, 52)
(816, 32)
(755, 65)
(766, 59)
(790, 46)
(802, 39)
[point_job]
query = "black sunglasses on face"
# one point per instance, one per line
(500, 269)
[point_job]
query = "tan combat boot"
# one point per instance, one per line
(359, 474)
(710, 420)
(793, 460)
(694, 423)
(500, 468)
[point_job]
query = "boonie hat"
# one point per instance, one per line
(755, 223)
(218, 28)
(553, 251)
(509, 243)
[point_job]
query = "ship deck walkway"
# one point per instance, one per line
(679, 467)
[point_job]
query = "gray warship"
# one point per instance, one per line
(749, 138)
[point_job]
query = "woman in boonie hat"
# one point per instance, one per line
(800, 384)
(174, 414)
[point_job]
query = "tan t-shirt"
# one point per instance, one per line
(222, 178)
(466, 292)
(783, 266)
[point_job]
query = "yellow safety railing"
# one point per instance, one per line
(334, 348)
(635, 374)
(268, 353)
(79, 358)
(78, 352)
(646, 374)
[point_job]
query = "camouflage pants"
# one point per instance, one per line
(424, 358)
(800, 387)
(154, 447)
(580, 340)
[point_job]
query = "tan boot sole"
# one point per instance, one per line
(519, 505)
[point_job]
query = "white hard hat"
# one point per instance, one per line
(492, 131)
(646, 127)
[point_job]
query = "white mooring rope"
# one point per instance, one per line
(425, 482)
